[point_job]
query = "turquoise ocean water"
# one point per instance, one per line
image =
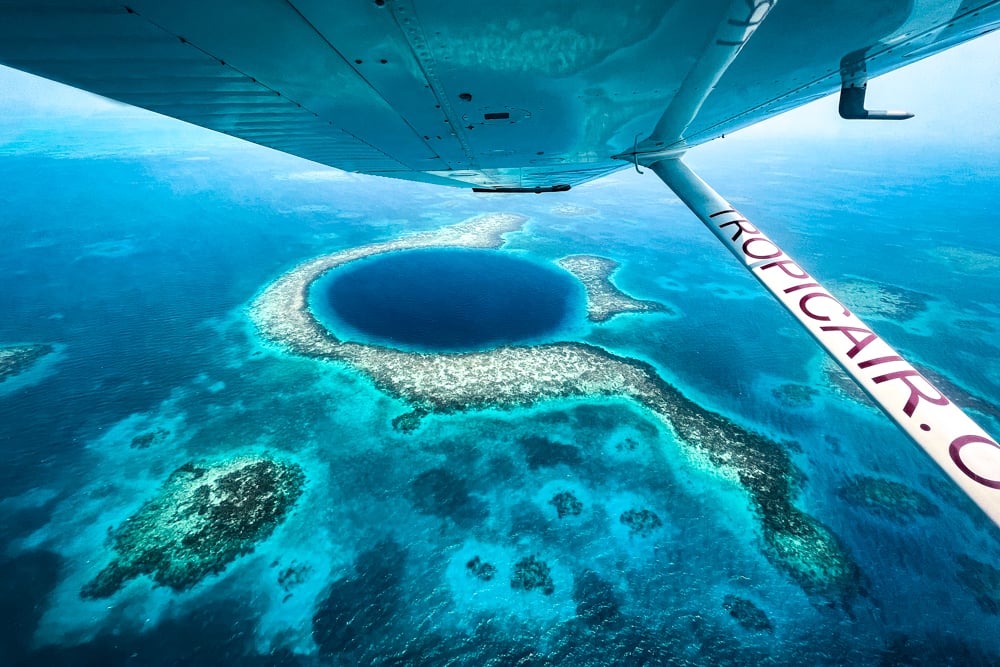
(135, 257)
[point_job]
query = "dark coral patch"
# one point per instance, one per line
(984, 582)
(597, 602)
(887, 499)
(627, 445)
(480, 569)
(441, 493)
(146, 440)
(794, 395)
(544, 453)
(811, 554)
(358, 607)
(883, 300)
(979, 326)
(841, 383)
(747, 614)
(934, 649)
(294, 575)
(641, 522)
(205, 516)
(531, 573)
(566, 504)
(962, 398)
(409, 421)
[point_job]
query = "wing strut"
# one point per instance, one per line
(956, 443)
(734, 29)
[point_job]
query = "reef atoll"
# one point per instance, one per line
(203, 518)
(604, 300)
(16, 359)
(511, 377)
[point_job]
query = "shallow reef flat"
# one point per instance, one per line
(967, 260)
(204, 517)
(887, 499)
(881, 300)
(16, 359)
(983, 580)
(573, 210)
(840, 382)
(514, 376)
(604, 299)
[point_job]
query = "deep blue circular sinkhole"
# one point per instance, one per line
(447, 299)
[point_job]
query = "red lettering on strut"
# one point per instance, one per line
(746, 248)
(816, 295)
(915, 393)
(749, 229)
(880, 360)
(956, 455)
(783, 264)
(796, 288)
(859, 343)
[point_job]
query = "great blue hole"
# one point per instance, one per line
(447, 300)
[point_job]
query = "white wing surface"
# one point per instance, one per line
(518, 94)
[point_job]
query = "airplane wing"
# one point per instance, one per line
(519, 95)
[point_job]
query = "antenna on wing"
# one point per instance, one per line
(635, 153)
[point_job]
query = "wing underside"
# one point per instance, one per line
(514, 95)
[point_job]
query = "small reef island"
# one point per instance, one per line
(511, 376)
(204, 517)
(604, 300)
